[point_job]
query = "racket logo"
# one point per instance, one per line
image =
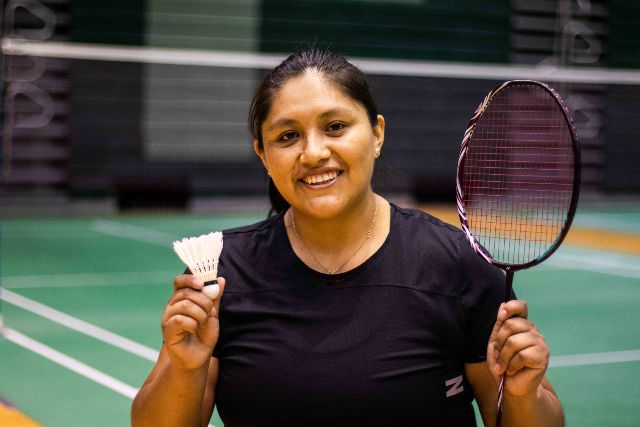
(455, 385)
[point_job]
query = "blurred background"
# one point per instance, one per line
(135, 104)
(124, 128)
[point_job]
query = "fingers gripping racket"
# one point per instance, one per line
(518, 178)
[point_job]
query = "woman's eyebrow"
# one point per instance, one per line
(333, 112)
(281, 123)
(285, 122)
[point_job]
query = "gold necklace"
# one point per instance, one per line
(369, 233)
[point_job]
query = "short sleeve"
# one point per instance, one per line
(482, 293)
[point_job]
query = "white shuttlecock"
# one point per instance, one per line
(201, 255)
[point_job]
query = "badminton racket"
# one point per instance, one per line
(518, 179)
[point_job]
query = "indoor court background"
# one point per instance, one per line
(124, 129)
(115, 273)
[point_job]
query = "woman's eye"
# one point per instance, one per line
(335, 127)
(288, 136)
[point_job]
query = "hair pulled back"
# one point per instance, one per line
(349, 79)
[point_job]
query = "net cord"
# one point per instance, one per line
(237, 59)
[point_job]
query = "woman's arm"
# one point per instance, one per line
(173, 397)
(179, 391)
(517, 350)
(540, 410)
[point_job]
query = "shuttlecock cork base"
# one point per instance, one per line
(201, 255)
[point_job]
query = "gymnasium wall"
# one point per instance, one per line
(180, 130)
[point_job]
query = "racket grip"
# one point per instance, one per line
(500, 396)
(507, 297)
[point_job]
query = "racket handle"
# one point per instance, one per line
(507, 297)
(500, 396)
(509, 287)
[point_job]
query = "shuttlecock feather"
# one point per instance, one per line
(201, 255)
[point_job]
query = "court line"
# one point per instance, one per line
(150, 354)
(608, 222)
(128, 278)
(597, 264)
(69, 362)
(130, 392)
(589, 263)
(557, 261)
(132, 232)
(594, 358)
(79, 325)
(12, 46)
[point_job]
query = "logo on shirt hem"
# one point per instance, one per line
(455, 385)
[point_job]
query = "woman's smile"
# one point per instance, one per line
(321, 180)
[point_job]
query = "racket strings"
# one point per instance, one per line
(518, 175)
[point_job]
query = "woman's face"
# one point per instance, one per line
(319, 146)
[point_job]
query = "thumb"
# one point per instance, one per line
(216, 301)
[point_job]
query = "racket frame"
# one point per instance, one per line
(575, 192)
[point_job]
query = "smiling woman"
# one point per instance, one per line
(341, 308)
(319, 147)
(343, 79)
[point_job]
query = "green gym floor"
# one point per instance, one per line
(82, 300)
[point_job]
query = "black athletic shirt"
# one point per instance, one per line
(382, 344)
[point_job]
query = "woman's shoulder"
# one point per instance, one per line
(419, 223)
(431, 238)
(253, 239)
(251, 230)
(442, 250)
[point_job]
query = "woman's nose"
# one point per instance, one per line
(315, 150)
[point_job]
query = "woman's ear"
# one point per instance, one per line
(378, 133)
(259, 149)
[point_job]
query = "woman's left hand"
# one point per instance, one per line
(517, 349)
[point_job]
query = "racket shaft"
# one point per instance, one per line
(507, 297)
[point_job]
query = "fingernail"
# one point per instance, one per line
(211, 291)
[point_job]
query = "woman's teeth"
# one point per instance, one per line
(320, 178)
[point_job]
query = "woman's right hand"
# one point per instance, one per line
(190, 326)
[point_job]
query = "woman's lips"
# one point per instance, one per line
(321, 179)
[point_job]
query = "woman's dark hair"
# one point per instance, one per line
(335, 68)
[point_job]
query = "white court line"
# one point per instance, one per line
(595, 358)
(128, 278)
(609, 223)
(581, 262)
(69, 362)
(133, 232)
(150, 354)
(79, 325)
(597, 264)
(560, 260)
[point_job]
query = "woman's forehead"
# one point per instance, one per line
(310, 92)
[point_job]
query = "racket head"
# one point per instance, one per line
(518, 177)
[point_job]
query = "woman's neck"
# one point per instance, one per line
(338, 244)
